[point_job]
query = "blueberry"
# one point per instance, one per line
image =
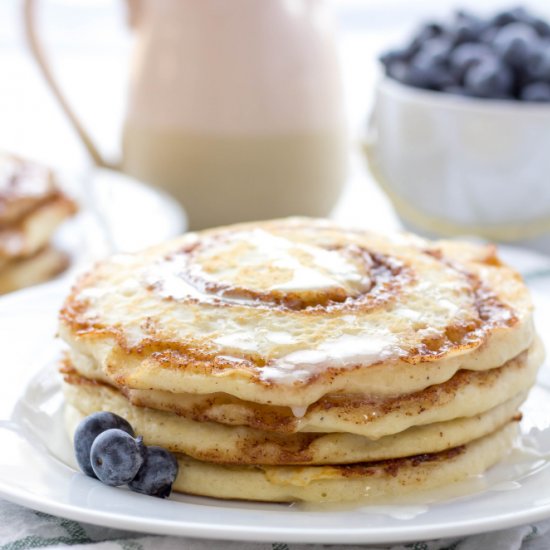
(466, 27)
(498, 57)
(429, 68)
(397, 70)
(427, 32)
(437, 50)
(157, 474)
(541, 26)
(116, 457)
(396, 55)
(537, 65)
(514, 15)
(489, 78)
(466, 55)
(537, 91)
(420, 73)
(487, 36)
(515, 43)
(417, 76)
(409, 74)
(521, 15)
(88, 429)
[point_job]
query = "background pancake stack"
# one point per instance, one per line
(296, 360)
(31, 209)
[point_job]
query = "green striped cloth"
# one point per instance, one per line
(22, 528)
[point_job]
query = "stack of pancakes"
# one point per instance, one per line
(298, 360)
(31, 209)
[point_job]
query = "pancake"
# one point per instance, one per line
(214, 442)
(298, 360)
(285, 312)
(33, 231)
(363, 482)
(31, 209)
(40, 267)
(24, 185)
(368, 482)
(466, 394)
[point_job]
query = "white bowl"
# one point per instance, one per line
(454, 165)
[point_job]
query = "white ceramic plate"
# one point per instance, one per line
(37, 469)
(117, 214)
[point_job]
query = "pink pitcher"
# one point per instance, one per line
(235, 107)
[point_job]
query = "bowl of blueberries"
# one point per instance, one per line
(459, 137)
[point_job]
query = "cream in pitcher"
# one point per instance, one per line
(235, 107)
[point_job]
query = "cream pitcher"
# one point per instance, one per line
(234, 107)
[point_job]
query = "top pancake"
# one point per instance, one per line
(286, 311)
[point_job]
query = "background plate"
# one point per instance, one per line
(117, 214)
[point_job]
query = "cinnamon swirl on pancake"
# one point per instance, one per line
(296, 358)
(31, 209)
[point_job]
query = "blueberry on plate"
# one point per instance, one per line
(116, 457)
(87, 431)
(157, 474)
(536, 91)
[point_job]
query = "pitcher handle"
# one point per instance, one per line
(29, 16)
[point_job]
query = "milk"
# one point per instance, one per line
(236, 109)
(225, 179)
(234, 106)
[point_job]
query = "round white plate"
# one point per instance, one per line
(117, 214)
(37, 469)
